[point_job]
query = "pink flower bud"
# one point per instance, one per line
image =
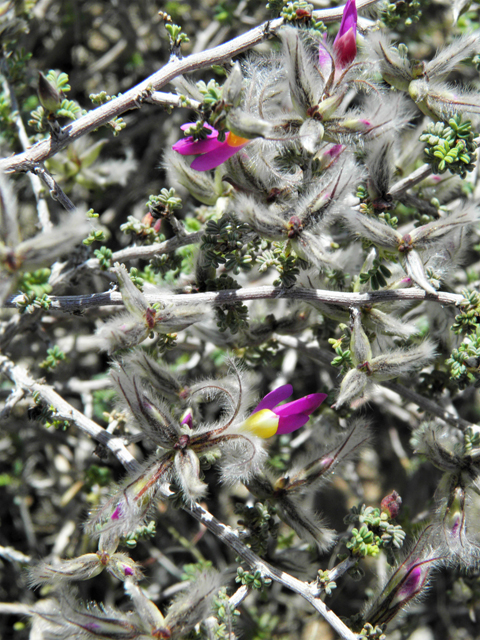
(391, 504)
(345, 45)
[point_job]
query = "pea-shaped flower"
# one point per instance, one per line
(268, 419)
(211, 152)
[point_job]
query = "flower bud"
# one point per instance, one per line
(357, 125)
(152, 619)
(352, 386)
(345, 45)
(454, 520)
(328, 107)
(311, 135)
(247, 126)
(133, 298)
(416, 270)
(406, 583)
(81, 568)
(123, 568)
(391, 504)
(187, 467)
(232, 89)
(359, 343)
(187, 418)
(49, 96)
(194, 604)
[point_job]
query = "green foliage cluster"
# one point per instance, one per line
(401, 12)
(450, 146)
(376, 532)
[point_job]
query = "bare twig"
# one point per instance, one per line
(414, 178)
(42, 207)
(16, 609)
(9, 553)
(171, 100)
(133, 98)
(140, 252)
(19, 322)
(428, 405)
(55, 191)
(410, 181)
(307, 591)
(65, 411)
(70, 304)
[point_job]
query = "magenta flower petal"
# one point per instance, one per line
(274, 397)
(287, 424)
(305, 405)
(349, 19)
(345, 45)
(412, 581)
(117, 513)
(216, 157)
(335, 150)
(324, 59)
(345, 49)
(190, 147)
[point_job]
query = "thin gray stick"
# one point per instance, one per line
(172, 100)
(140, 252)
(133, 98)
(15, 396)
(230, 537)
(65, 411)
(414, 178)
(54, 190)
(42, 207)
(427, 405)
(230, 296)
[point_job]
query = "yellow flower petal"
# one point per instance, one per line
(263, 423)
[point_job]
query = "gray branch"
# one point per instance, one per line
(230, 537)
(72, 304)
(65, 411)
(139, 94)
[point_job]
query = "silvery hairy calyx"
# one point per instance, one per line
(281, 347)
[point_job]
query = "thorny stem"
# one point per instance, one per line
(230, 296)
(307, 591)
(65, 411)
(133, 98)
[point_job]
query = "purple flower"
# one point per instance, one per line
(187, 418)
(344, 45)
(407, 582)
(267, 418)
(210, 150)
